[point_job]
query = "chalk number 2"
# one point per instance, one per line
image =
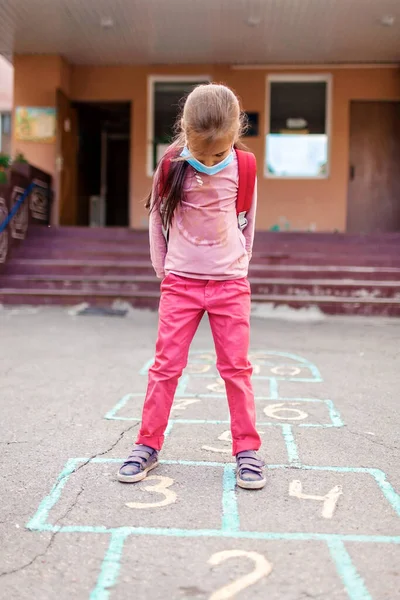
(262, 568)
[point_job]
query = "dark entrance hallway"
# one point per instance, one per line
(103, 163)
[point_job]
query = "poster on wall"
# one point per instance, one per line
(35, 124)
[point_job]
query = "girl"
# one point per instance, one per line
(203, 268)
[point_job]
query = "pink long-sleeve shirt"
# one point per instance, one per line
(205, 241)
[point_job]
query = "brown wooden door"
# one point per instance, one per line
(374, 180)
(67, 153)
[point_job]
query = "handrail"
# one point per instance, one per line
(18, 203)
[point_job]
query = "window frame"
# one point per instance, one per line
(152, 80)
(304, 78)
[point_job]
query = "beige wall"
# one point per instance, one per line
(303, 203)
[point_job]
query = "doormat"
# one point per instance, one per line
(103, 311)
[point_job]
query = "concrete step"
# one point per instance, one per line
(269, 241)
(73, 266)
(125, 232)
(87, 283)
(108, 252)
(264, 258)
(104, 267)
(261, 246)
(260, 285)
(337, 273)
(261, 240)
(38, 297)
(329, 305)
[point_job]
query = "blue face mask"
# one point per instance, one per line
(196, 164)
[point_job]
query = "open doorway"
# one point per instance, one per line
(103, 163)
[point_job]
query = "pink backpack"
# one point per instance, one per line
(247, 178)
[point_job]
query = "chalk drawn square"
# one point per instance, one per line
(267, 363)
(303, 412)
(128, 408)
(215, 385)
(209, 441)
(69, 569)
(283, 366)
(309, 389)
(283, 372)
(298, 411)
(185, 406)
(74, 500)
(284, 569)
(200, 363)
(380, 568)
(361, 501)
(321, 447)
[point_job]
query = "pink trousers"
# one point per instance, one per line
(183, 303)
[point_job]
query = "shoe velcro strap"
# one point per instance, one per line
(138, 456)
(142, 453)
(253, 468)
(249, 454)
(250, 460)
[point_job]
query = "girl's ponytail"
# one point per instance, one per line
(210, 112)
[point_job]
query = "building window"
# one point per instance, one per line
(5, 132)
(165, 95)
(297, 141)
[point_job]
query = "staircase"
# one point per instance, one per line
(339, 273)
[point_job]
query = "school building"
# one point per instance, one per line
(319, 81)
(97, 89)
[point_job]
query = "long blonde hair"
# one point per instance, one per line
(210, 111)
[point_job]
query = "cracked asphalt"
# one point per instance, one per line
(71, 392)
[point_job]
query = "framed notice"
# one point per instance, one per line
(35, 124)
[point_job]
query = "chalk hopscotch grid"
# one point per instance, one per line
(286, 428)
(230, 522)
(230, 517)
(335, 418)
(334, 415)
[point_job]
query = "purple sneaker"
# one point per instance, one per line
(141, 460)
(249, 471)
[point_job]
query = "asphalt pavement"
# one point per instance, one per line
(326, 526)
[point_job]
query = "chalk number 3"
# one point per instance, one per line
(160, 488)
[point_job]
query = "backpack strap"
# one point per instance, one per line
(165, 167)
(247, 168)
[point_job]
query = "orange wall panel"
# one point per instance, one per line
(303, 204)
(36, 79)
